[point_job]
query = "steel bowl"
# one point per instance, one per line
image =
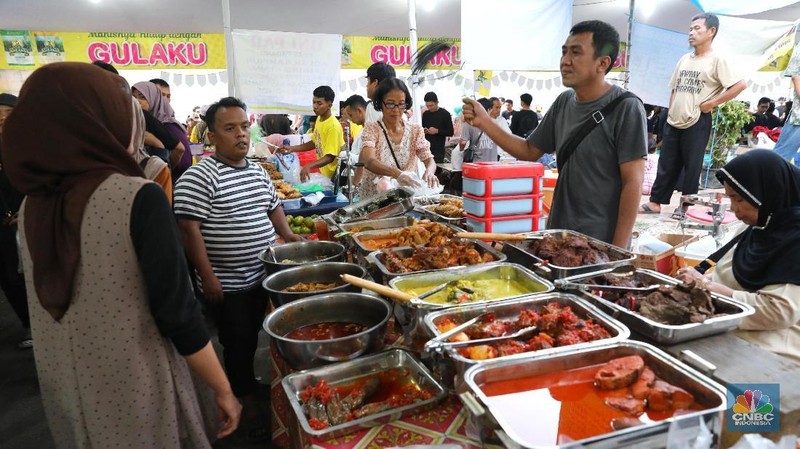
(359, 308)
(301, 253)
(317, 272)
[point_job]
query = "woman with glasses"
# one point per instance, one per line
(391, 147)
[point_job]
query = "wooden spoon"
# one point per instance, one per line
(382, 290)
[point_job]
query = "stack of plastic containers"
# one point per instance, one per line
(503, 197)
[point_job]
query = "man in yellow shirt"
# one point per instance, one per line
(327, 139)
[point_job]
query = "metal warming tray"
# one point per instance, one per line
(360, 237)
(348, 372)
(510, 426)
(410, 315)
(424, 204)
(381, 273)
(666, 333)
(383, 223)
(387, 204)
(517, 252)
(509, 310)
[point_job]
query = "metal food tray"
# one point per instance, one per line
(510, 310)
(518, 253)
(387, 204)
(387, 233)
(410, 315)
(667, 333)
(656, 434)
(382, 274)
(383, 223)
(346, 373)
(423, 203)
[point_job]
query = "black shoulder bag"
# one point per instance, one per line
(566, 151)
(712, 260)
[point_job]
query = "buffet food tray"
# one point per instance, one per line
(347, 372)
(360, 237)
(410, 315)
(510, 310)
(667, 333)
(424, 205)
(382, 274)
(382, 223)
(387, 204)
(517, 252)
(680, 430)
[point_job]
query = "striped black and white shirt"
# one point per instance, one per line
(232, 205)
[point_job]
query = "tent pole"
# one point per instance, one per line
(412, 41)
(628, 49)
(226, 26)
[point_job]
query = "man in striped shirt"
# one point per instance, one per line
(228, 212)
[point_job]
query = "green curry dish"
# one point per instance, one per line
(466, 291)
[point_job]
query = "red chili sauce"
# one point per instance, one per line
(326, 331)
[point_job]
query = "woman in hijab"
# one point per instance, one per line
(150, 99)
(154, 168)
(761, 266)
(118, 331)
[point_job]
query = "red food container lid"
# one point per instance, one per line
(497, 170)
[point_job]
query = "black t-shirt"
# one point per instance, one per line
(10, 200)
(442, 121)
(523, 122)
(161, 132)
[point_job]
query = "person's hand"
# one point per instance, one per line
(432, 130)
(430, 179)
(706, 106)
(304, 174)
(212, 289)
(688, 275)
(230, 411)
(292, 237)
(474, 113)
(409, 179)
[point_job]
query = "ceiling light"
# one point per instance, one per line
(427, 5)
(646, 9)
(96, 2)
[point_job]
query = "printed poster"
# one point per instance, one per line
(17, 47)
(49, 48)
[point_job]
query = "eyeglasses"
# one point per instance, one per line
(395, 106)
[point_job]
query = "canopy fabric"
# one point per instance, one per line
(740, 8)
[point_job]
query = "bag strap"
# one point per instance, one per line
(712, 260)
(566, 151)
(389, 142)
(143, 162)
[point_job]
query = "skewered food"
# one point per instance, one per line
(557, 326)
(570, 251)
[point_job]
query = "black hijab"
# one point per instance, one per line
(769, 252)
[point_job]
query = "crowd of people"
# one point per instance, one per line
(124, 242)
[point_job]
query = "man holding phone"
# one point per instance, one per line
(438, 126)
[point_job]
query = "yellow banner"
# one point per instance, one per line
(360, 52)
(777, 56)
(27, 50)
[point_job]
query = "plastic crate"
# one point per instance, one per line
(488, 179)
(514, 224)
(307, 157)
(502, 206)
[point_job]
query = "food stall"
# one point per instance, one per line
(477, 327)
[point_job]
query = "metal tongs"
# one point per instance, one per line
(623, 271)
(440, 342)
(497, 237)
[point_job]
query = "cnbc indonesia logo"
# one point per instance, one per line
(753, 408)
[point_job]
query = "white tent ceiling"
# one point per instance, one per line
(349, 17)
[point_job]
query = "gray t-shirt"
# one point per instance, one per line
(483, 147)
(586, 198)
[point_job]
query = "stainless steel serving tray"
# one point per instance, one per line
(517, 252)
(387, 204)
(706, 392)
(423, 205)
(509, 310)
(382, 274)
(359, 237)
(667, 333)
(348, 372)
(382, 223)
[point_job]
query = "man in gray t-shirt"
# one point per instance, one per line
(599, 188)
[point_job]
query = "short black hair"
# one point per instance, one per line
(106, 66)
(485, 102)
(526, 99)
(711, 20)
(763, 100)
(275, 124)
(380, 71)
(388, 85)
(511, 102)
(356, 100)
(160, 82)
(325, 92)
(431, 96)
(227, 102)
(605, 39)
(493, 99)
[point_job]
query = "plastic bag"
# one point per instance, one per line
(289, 166)
(320, 179)
(457, 159)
